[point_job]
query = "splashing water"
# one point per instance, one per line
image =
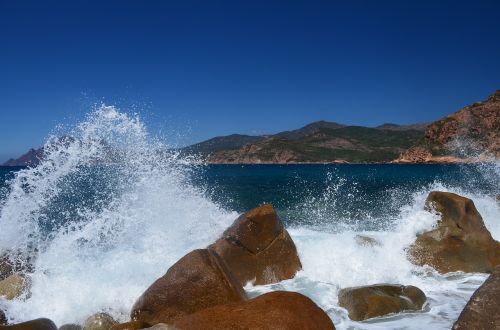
(109, 210)
(334, 259)
(134, 220)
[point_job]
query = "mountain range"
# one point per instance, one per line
(471, 133)
(318, 142)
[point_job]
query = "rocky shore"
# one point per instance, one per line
(205, 288)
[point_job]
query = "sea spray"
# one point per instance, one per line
(335, 258)
(107, 212)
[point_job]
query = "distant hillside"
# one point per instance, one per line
(314, 143)
(31, 158)
(472, 132)
(229, 142)
(396, 127)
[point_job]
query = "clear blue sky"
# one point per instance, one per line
(217, 67)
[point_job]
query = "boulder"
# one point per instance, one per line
(3, 318)
(197, 281)
(38, 324)
(132, 325)
(482, 312)
(99, 321)
(71, 326)
(162, 326)
(460, 241)
(258, 248)
(365, 302)
(13, 286)
(275, 310)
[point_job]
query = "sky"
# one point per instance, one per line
(199, 69)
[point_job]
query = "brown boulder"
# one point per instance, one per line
(197, 281)
(38, 324)
(365, 302)
(482, 312)
(70, 326)
(13, 286)
(460, 242)
(275, 310)
(258, 248)
(132, 325)
(99, 321)
(162, 326)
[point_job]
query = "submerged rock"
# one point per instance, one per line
(365, 302)
(14, 286)
(16, 262)
(38, 324)
(99, 321)
(197, 281)
(275, 310)
(460, 242)
(367, 240)
(6, 267)
(482, 312)
(258, 248)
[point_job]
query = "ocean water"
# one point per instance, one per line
(108, 212)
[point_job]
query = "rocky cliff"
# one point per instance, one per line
(473, 133)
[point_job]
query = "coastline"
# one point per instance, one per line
(434, 161)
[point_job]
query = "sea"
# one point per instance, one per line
(110, 210)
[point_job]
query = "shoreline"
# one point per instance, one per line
(435, 162)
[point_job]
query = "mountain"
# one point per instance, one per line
(310, 129)
(472, 133)
(317, 142)
(219, 143)
(396, 127)
(31, 158)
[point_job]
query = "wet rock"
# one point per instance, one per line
(460, 242)
(99, 321)
(132, 325)
(275, 310)
(71, 327)
(3, 318)
(14, 286)
(482, 312)
(365, 302)
(6, 267)
(162, 326)
(257, 248)
(16, 262)
(38, 324)
(197, 281)
(366, 240)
